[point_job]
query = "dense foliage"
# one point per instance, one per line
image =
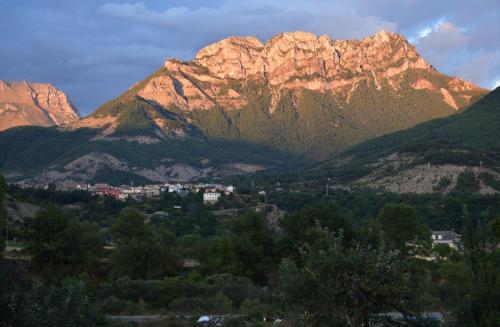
(67, 305)
(3, 214)
(141, 251)
(349, 259)
(61, 245)
(346, 285)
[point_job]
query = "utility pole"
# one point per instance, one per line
(327, 184)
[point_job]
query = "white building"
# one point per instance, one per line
(449, 238)
(174, 188)
(123, 196)
(211, 197)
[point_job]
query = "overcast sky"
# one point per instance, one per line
(93, 50)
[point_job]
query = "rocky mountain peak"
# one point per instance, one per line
(299, 54)
(376, 84)
(386, 36)
(231, 43)
(301, 60)
(41, 104)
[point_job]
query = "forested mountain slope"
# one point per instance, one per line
(309, 95)
(432, 156)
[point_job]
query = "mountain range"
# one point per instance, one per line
(242, 106)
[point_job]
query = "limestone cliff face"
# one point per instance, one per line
(298, 60)
(299, 92)
(300, 54)
(24, 104)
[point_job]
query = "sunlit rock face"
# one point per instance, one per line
(296, 60)
(298, 92)
(34, 104)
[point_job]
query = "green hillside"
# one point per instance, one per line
(277, 126)
(306, 123)
(29, 151)
(470, 138)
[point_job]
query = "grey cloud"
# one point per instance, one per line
(242, 18)
(484, 69)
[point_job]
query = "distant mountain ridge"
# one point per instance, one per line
(431, 157)
(34, 104)
(242, 106)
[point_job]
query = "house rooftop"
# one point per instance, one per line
(445, 236)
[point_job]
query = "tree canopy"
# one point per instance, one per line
(62, 245)
(335, 284)
(141, 251)
(403, 229)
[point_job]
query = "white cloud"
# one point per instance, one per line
(424, 32)
(451, 49)
(445, 35)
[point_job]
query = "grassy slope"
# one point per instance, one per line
(315, 125)
(30, 150)
(476, 127)
(466, 139)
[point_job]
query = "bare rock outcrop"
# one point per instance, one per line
(39, 104)
(296, 60)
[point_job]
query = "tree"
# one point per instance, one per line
(68, 305)
(495, 228)
(472, 283)
(3, 188)
(141, 251)
(61, 245)
(3, 216)
(3, 221)
(253, 308)
(301, 226)
(249, 250)
(221, 304)
(403, 230)
(254, 246)
(341, 285)
(219, 256)
(472, 289)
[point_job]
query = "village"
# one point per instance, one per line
(211, 195)
(211, 192)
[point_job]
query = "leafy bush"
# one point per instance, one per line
(467, 183)
(68, 305)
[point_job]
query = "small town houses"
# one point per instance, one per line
(211, 192)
